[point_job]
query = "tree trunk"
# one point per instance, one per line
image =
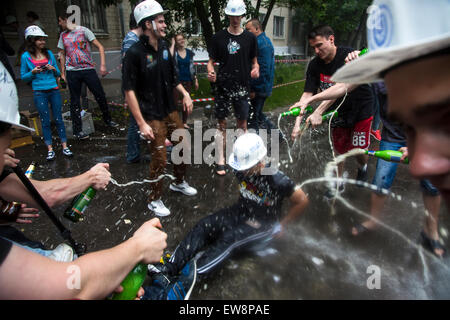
(269, 11)
(215, 14)
(203, 17)
(258, 5)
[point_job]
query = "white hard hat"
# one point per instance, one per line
(147, 9)
(9, 103)
(34, 31)
(398, 31)
(10, 19)
(248, 150)
(235, 8)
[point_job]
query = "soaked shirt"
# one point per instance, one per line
(358, 104)
(152, 76)
(262, 195)
(235, 54)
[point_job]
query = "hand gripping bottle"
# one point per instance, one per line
(328, 115)
(388, 155)
(75, 212)
(132, 282)
(10, 210)
(296, 111)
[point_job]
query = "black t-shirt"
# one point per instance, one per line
(392, 130)
(261, 196)
(152, 76)
(358, 104)
(234, 53)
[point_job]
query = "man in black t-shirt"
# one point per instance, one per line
(352, 127)
(148, 78)
(250, 221)
(236, 50)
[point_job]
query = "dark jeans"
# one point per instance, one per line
(90, 78)
(257, 119)
(219, 235)
(133, 141)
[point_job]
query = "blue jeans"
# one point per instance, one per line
(133, 141)
(74, 81)
(41, 100)
(257, 119)
(386, 171)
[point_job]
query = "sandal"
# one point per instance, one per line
(221, 167)
(432, 245)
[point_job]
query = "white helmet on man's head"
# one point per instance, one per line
(147, 8)
(248, 151)
(34, 31)
(235, 8)
(9, 103)
(399, 31)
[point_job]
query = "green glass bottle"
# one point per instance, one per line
(132, 282)
(363, 51)
(296, 111)
(75, 212)
(328, 115)
(388, 155)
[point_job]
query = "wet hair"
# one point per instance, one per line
(33, 15)
(4, 127)
(143, 21)
(132, 24)
(31, 46)
(256, 23)
(64, 15)
(322, 30)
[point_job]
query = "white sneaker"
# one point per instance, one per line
(159, 208)
(184, 188)
(62, 253)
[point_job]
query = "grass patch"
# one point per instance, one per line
(284, 96)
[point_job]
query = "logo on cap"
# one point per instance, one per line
(381, 27)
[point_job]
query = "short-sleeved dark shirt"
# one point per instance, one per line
(152, 76)
(235, 54)
(358, 104)
(261, 196)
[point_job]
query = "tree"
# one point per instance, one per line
(347, 18)
(209, 13)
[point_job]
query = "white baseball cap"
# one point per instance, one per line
(34, 31)
(248, 150)
(9, 103)
(235, 8)
(146, 9)
(398, 31)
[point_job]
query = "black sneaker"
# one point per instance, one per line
(51, 155)
(362, 174)
(181, 289)
(81, 135)
(111, 124)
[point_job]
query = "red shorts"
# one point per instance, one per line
(346, 139)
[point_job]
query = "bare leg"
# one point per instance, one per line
(432, 205)
(221, 140)
(376, 208)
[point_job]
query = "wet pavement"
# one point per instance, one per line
(317, 258)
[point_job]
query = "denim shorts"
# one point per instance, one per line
(386, 171)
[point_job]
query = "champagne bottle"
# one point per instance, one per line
(296, 111)
(363, 51)
(75, 212)
(10, 210)
(132, 282)
(328, 115)
(388, 155)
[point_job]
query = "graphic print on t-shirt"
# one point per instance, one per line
(78, 49)
(233, 46)
(325, 82)
(250, 192)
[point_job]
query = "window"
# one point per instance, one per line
(261, 17)
(278, 27)
(194, 26)
(92, 13)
